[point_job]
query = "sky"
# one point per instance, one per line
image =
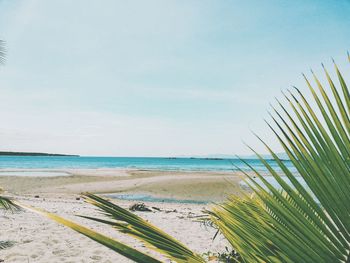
(157, 78)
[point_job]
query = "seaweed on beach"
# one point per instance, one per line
(140, 207)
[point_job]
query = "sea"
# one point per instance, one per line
(143, 163)
(52, 166)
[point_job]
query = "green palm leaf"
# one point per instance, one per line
(133, 225)
(128, 223)
(298, 224)
(8, 204)
(113, 244)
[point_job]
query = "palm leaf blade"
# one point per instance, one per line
(8, 204)
(133, 225)
(294, 223)
(113, 244)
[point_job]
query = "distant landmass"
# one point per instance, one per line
(32, 154)
(282, 156)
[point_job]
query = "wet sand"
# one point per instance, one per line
(201, 186)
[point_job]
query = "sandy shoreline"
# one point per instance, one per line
(199, 185)
(37, 239)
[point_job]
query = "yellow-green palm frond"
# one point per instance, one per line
(300, 223)
(133, 225)
(130, 224)
(246, 225)
(113, 244)
(8, 204)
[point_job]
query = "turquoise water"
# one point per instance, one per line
(147, 163)
(9, 164)
(150, 198)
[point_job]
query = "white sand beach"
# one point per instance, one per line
(37, 239)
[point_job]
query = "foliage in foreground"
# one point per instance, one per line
(7, 203)
(289, 223)
(299, 224)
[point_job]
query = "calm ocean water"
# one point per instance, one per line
(149, 163)
(9, 164)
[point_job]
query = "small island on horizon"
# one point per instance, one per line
(4, 153)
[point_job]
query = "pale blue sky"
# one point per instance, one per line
(156, 78)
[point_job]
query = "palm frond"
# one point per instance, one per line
(113, 244)
(133, 225)
(299, 224)
(8, 204)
